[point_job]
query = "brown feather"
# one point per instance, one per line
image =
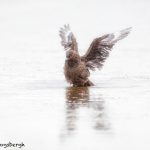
(100, 48)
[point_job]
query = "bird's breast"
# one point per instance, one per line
(72, 72)
(72, 63)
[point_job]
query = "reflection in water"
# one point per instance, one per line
(78, 98)
(77, 94)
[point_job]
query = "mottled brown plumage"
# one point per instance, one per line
(77, 67)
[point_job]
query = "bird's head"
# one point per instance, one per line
(72, 55)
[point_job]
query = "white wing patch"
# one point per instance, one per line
(121, 34)
(114, 37)
(66, 37)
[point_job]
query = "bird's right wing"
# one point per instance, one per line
(68, 40)
(100, 48)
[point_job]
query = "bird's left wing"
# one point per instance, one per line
(68, 40)
(100, 48)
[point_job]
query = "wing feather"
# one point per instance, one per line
(100, 48)
(68, 40)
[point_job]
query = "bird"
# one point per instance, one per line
(77, 68)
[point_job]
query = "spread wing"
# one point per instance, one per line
(68, 40)
(100, 48)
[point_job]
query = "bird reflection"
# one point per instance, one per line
(75, 97)
(77, 94)
(78, 98)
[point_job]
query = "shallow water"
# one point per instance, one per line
(38, 107)
(47, 113)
